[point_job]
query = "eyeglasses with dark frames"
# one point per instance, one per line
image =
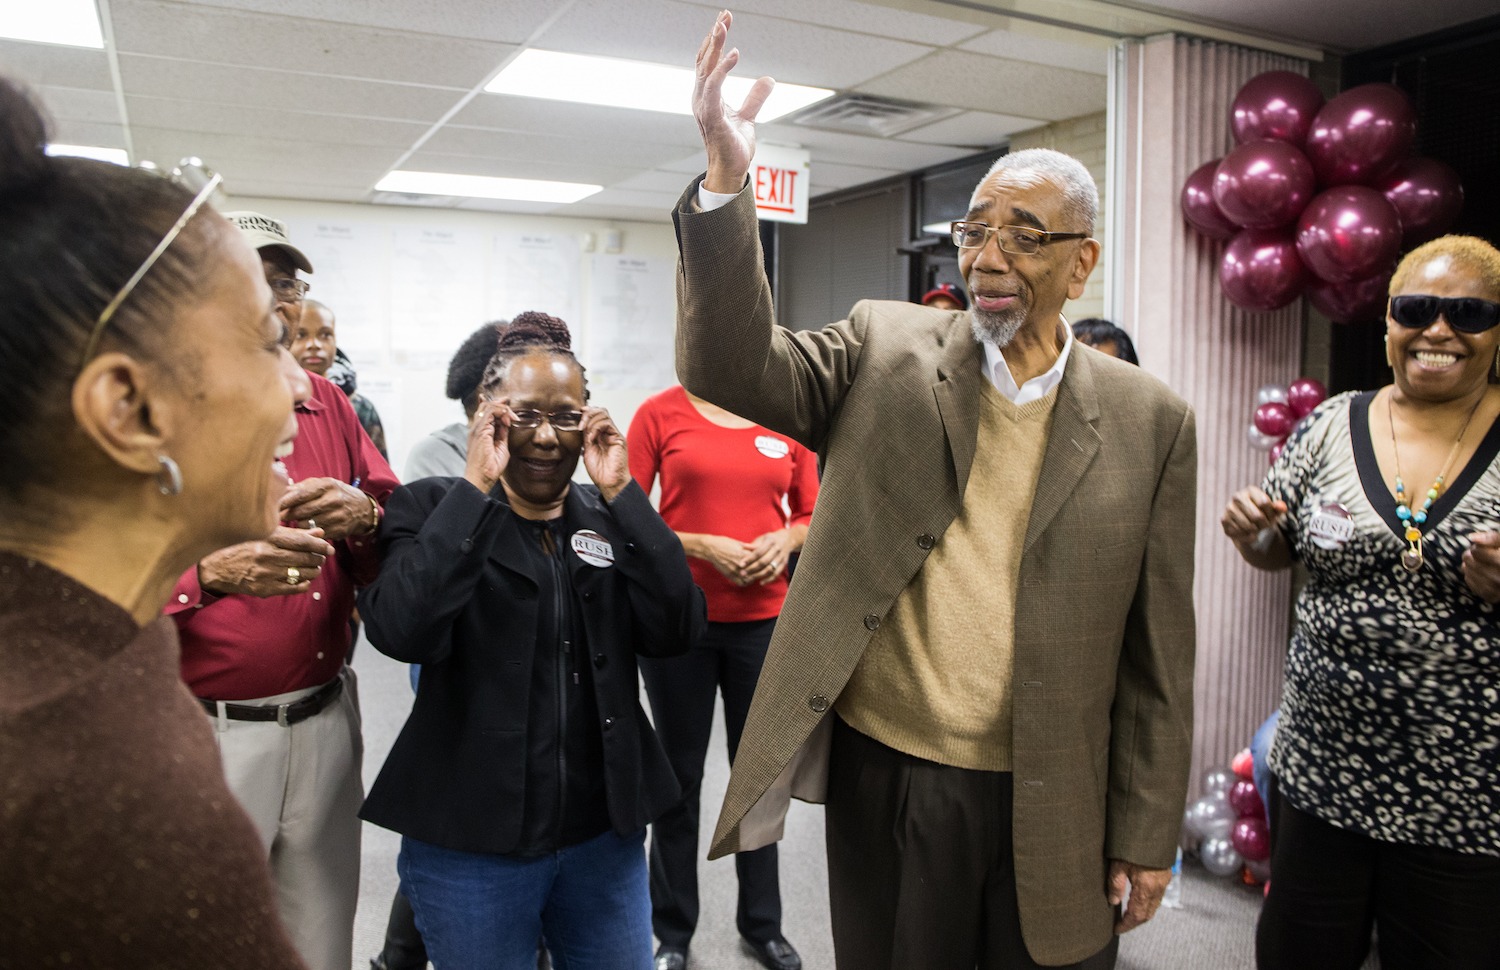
(113, 305)
(1016, 240)
(1466, 314)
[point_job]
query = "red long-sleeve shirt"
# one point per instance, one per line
(240, 647)
(722, 481)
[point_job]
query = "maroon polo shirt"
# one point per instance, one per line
(240, 647)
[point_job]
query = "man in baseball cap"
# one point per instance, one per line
(945, 296)
(265, 632)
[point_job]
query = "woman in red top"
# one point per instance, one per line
(739, 497)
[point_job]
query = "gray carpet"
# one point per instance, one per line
(1214, 930)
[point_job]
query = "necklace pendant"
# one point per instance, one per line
(1411, 559)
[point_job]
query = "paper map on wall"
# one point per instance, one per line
(345, 257)
(536, 271)
(437, 288)
(632, 317)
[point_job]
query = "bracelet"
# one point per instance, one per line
(374, 512)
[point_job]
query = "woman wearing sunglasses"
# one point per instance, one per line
(1387, 757)
(146, 404)
(524, 779)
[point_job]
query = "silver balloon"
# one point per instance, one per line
(1211, 817)
(1258, 439)
(1220, 858)
(1218, 782)
(1271, 394)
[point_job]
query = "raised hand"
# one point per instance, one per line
(728, 134)
(337, 508)
(1250, 521)
(489, 443)
(604, 455)
(1481, 565)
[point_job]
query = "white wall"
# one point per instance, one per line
(408, 284)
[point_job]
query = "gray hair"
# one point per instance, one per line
(1080, 194)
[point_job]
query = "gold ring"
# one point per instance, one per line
(293, 575)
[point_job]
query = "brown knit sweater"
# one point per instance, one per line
(120, 844)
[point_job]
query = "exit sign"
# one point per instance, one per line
(779, 177)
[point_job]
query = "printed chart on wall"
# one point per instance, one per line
(536, 271)
(437, 291)
(632, 314)
(345, 258)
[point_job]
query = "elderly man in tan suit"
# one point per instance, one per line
(984, 667)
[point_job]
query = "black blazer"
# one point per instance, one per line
(453, 595)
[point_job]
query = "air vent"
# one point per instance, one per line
(863, 114)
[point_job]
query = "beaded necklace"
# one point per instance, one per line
(1411, 559)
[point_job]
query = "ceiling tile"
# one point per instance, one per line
(975, 129)
(668, 32)
(266, 158)
(832, 146)
(995, 84)
(79, 104)
(828, 177)
(160, 77)
(656, 180)
(687, 165)
(615, 213)
(311, 47)
(661, 201)
(1089, 53)
(98, 134)
(52, 64)
(277, 189)
(593, 123)
(510, 21)
(271, 122)
(487, 143)
(861, 18)
(581, 169)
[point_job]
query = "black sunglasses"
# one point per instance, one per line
(1468, 314)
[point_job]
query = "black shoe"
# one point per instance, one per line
(775, 953)
(670, 958)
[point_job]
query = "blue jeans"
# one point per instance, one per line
(1260, 754)
(477, 911)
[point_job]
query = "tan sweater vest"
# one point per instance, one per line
(935, 681)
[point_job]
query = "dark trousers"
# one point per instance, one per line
(682, 692)
(920, 867)
(1433, 909)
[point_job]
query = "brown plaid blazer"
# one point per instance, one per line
(1104, 616)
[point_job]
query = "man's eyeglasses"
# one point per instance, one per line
(1468, 314)
(120, 297)
(1016, 240)
(289, 290)
(526, 418)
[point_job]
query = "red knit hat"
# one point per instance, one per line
(948, 290)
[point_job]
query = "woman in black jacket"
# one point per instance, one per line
(527, 772)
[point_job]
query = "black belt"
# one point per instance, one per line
(284, 714)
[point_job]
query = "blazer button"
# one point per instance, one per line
(609, 724)
(588, 594)
(926, 541)
(599, 660)
(818, 703)
(872, 622)
(630, 547)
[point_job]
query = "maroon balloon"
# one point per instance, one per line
(1360, 135)
(1276, 451)
(1351, 302)
(1251, 838)
(1427, 195)
(1260, 269)
(1199, 207)
(1304, 394)
(1348, 233)
(1244, 799)
(1264, 184)
(1276, 104)
(1275, 419)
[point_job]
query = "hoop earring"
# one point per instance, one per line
(169, 478)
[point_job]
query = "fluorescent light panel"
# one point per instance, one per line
(485, 187)
(74, 23)
(116, 155)
(617, 83)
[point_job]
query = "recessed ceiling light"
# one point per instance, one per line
(71, 22)
(617, 83)
(485, 187)
(116, 155)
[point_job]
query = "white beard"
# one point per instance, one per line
(1000, 328)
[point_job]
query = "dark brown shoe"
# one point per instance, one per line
(775, 953)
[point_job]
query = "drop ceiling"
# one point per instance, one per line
(317, 99)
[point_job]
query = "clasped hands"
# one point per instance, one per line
(323, 510)
(757, 562)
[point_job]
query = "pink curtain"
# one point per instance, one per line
(1170, 100)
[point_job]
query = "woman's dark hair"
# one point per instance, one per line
(75, 230)
(466, 369)
(528, 333)
(1094, 331)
